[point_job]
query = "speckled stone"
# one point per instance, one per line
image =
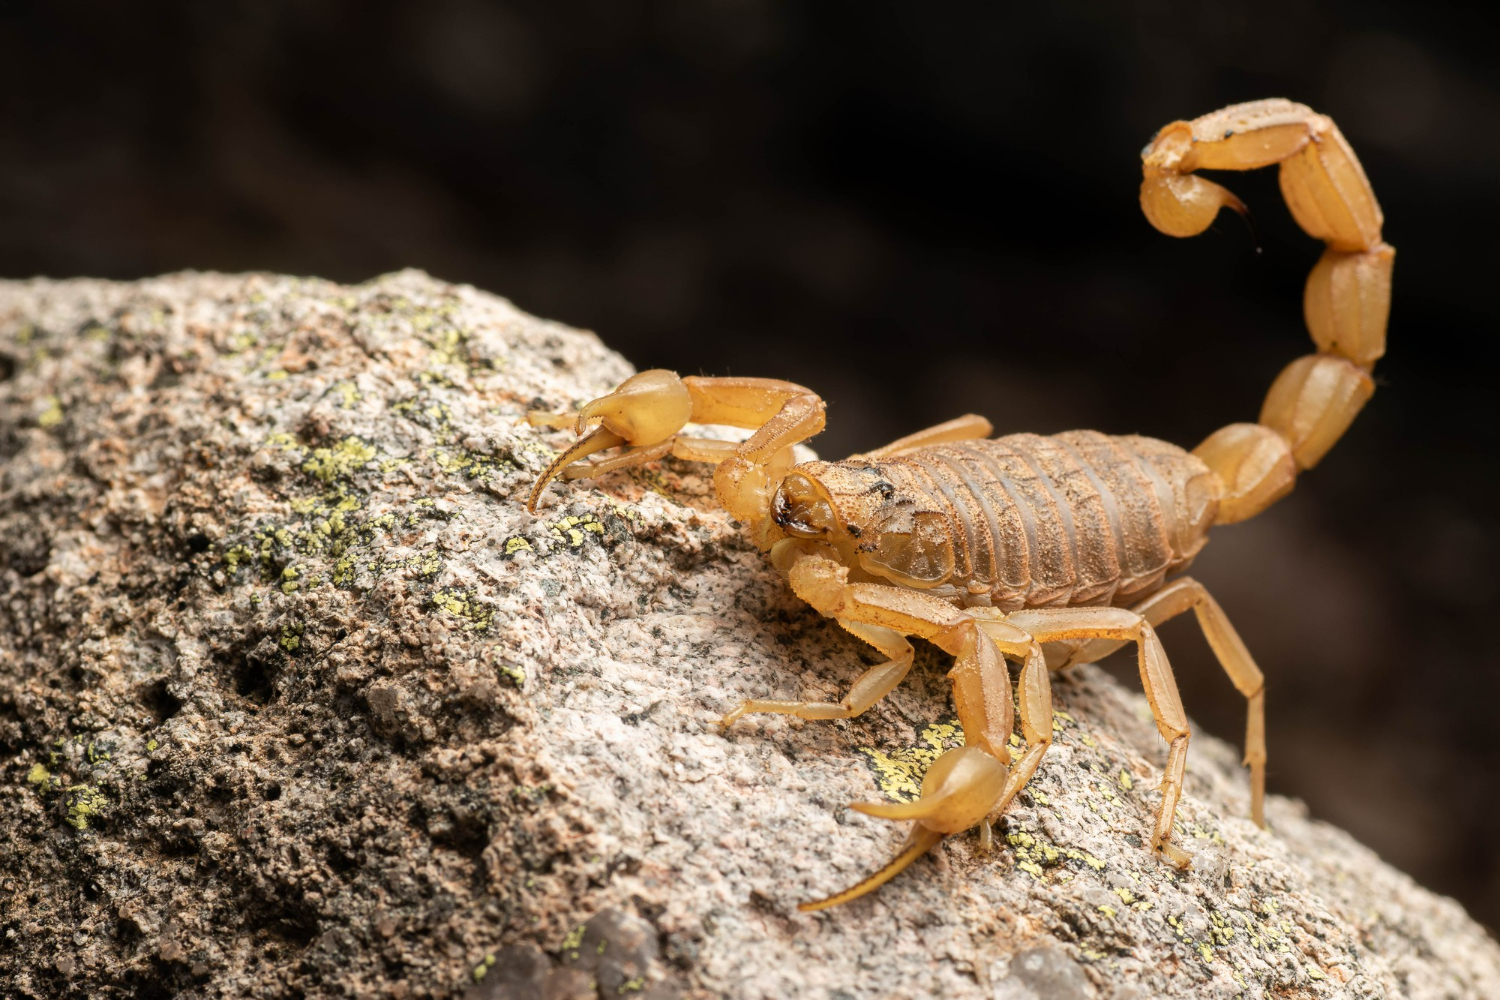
(296, 700)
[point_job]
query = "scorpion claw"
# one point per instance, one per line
(958, 792)
(597, 441)
(647, 409)
(918, 842)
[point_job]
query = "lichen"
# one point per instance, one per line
(463, 605)
(571, 943)
(899, 772)
(340, 461)
(85, 802)
(572, 529)
(52, 415)
(291, 636)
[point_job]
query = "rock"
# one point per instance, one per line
(296, 700)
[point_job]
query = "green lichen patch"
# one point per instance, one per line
(426, 410)
(899, 772)
(346, 393)
(569, 949)
(1038, 857)
(291, 636)
(77, 778)
(83, 803)
(471, 464)
(52, 413)
(341, 460)
(335, 465)
(575, 530)
(462, 605)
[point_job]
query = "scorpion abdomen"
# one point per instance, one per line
(1078, 518)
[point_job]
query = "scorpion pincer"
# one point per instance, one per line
(1044, 550)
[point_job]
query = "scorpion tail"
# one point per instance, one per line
(917, 844)
(1348, 294)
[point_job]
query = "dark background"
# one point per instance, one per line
(918, 209)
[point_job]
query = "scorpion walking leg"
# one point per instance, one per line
(965, 428)
(874, 684)
(1035, 701)
(1172, 600)
(1051, 625)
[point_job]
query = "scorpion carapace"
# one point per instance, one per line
(1044, 550)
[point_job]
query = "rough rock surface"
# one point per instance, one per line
(297, 701)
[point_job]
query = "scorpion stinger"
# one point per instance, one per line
(1023, 546)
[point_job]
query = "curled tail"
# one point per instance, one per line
(1315, 398)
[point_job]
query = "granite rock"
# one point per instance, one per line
(296, 700)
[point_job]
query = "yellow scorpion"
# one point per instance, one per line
(1046, 550)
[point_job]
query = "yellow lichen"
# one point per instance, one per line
(236, 555)
(348, 393)
(899, 773)
(340, 461)
(462, 605)
(573, 941)
(571, 529)
(52, 415)
(86, 802)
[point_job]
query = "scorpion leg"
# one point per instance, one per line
(873, 685)
(963, 785)
(1054, 624)
(1177, 597)
(965, 428)
(1035, 702)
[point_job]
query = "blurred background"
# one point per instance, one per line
(920, 210)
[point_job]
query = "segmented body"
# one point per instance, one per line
(1079, 518)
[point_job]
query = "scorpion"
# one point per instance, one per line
(1051, 550)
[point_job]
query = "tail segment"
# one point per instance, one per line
(1348, 295)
